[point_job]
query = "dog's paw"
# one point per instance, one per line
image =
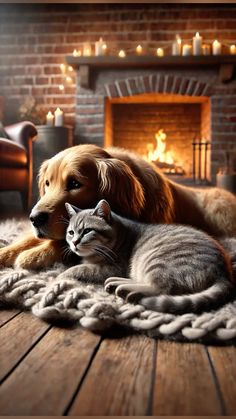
(7, 257)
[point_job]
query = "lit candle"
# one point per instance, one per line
(232, 49)
(75, 53)
(160, 52)
(197, 44)
(139, 50)
(187, 50)
(206, 49)
(70, 68)
(63, 68)
(122, 53)
(61, 87)
(69, 79)
(100, 47)
(176, 46)
(216, 47)
(49, 119)
(87, 49)
(58, 114)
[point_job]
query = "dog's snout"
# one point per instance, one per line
(38, 219)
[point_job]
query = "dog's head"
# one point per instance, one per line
(82, 175)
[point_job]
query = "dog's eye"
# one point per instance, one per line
(71, 232)
(73, 184)
(47, 183)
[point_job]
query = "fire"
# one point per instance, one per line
(159, 154)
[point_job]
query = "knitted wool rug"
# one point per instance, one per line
(90, 306)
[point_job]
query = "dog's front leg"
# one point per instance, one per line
(42, 256)
(9, 253)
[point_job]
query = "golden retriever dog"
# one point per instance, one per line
(83, 174)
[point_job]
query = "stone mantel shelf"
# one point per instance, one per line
(225, 63)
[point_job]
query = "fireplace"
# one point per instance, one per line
(129, 102)
(170, 130)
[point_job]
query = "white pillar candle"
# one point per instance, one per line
(100, 47)
(49, 119)
(87, 49)
(197, 44)
(206, 49)
(216, 48)
(139, 50)
(122, 53)
(176, 46)
(232, 49)
(58, 114)
(63, 68)
(187, 50)
(160, 52)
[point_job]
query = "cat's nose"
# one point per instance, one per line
(75, 242)
(38, 218)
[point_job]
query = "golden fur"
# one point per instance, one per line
(133, 187)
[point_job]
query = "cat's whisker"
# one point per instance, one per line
(105, 254)
(107, 250)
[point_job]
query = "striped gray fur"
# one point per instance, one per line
(173, 268)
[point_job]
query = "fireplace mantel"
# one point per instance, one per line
(225, 63)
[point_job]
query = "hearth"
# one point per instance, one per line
(172, 131)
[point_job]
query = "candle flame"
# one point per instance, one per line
(122, 53)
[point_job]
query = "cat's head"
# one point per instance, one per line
(89, 231)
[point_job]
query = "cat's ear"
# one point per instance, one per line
(71, 209)
(103, 210)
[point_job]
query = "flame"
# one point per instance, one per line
(159, 153)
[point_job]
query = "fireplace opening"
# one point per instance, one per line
(172, 131)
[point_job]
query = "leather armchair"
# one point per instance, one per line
(16, 160)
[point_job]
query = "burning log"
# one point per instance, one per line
(169, 168)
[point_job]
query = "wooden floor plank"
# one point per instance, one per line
(6, 315)
(17, 337)
(44, 383)
(224, 362)
(119, 379)
(184, 383)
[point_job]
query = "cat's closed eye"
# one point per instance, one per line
(87, 230)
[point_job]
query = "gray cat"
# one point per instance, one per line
(171, 268)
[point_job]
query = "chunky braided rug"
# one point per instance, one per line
(91, 307)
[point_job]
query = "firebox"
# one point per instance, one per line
(170, 130)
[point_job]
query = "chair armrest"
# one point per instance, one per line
(21, 133)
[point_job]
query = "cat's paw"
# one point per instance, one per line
(130, 291)
(71, 273)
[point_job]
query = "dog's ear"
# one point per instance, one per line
(41, 177)
(103, 210)
(120, 186)
(71, 209)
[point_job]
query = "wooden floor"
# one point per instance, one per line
(48, 370)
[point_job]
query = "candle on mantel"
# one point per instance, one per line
(122, 53)
(187, 50)
(197, 44)
(87, 49)
(216, 47)
(100, 47)
(76, 53)
(160, 52)
(206, 49)
(49, 119)
(232, 49)
(63, 68)
(176, 46)
(139, 49)
(58, 114)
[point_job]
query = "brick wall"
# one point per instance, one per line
(34, 40)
